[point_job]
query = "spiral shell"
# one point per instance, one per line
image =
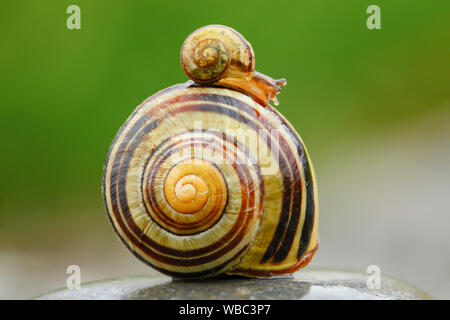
(214, 52)
(204, 180)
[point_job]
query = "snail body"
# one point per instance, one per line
(205, 179)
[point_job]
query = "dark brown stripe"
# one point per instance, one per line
(310, 213)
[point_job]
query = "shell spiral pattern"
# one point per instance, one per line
(203, 180)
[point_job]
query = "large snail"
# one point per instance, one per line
(206, 178)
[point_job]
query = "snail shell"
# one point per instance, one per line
(219, 54)
(204, 180)
(214, 52)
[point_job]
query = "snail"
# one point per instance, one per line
(206, 178)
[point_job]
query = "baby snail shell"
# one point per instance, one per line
(207, 178)
(220, 54)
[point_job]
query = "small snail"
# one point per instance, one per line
(206, 178)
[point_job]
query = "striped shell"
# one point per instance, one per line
(201, 181)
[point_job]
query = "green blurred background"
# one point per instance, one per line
(373, 107)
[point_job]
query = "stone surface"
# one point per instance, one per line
(305, 285)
